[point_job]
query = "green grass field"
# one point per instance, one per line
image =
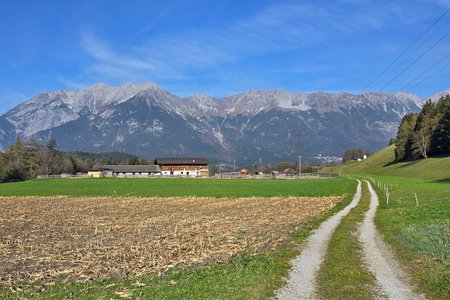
(177, 187)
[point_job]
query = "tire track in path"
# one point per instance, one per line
(301, 279)
(379, 259)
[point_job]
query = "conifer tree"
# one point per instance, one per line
(443, 133)
(403, 139)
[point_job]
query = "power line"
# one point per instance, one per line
(431, 75)
(418, 49)
(447, 86)
(424, 72)
(407, 49)
(415, 61)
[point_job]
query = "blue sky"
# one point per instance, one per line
(221, 47)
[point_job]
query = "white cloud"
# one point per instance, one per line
(272, 29)
(103, 52)
(71, 84)
(153, 21)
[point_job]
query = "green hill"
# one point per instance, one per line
(382, 163)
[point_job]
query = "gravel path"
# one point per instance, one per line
(301, 279)
(392, 281)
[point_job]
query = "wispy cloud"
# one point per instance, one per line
(272, 29)
(153, 22)
(104, 53)
(112, 63)
(71, 84)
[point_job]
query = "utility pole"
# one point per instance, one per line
(299, 165)
(299, 135)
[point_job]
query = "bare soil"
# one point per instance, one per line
(46, 239)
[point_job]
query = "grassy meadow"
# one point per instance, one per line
(135, 187)
(382, 163)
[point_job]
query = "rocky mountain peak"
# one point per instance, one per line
(145, 119)
(438, 95)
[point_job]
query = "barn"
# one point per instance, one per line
(125, 171)
(183, 166)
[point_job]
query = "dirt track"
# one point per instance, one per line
(379, 259)
(301, 280)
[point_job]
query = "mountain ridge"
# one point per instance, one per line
(255, 125)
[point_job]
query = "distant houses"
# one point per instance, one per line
(187, 166)
(124, 171)
(179, 167)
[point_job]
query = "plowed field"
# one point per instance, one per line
(44, 239)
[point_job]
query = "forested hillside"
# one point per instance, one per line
(426, 133)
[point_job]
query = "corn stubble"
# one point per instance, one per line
(48, 239)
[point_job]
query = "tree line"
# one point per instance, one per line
(26, 159)
(426, 133)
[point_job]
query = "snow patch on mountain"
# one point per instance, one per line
(437, 96)
(53, 109)
(156, 128)
(131, 112)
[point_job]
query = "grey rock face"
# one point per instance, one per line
(250, 127)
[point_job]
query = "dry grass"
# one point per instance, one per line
(44, 239)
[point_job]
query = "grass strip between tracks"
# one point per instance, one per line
(342, 274)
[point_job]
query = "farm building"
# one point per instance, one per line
(187, 166)
(124, 171)
(95, 173)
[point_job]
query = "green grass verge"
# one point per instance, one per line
(420, 235)
(342, 274)
(177, 187)
(245, 277)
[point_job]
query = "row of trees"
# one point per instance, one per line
(26, 159)
(426, 133)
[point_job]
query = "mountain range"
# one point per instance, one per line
(251, 127)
